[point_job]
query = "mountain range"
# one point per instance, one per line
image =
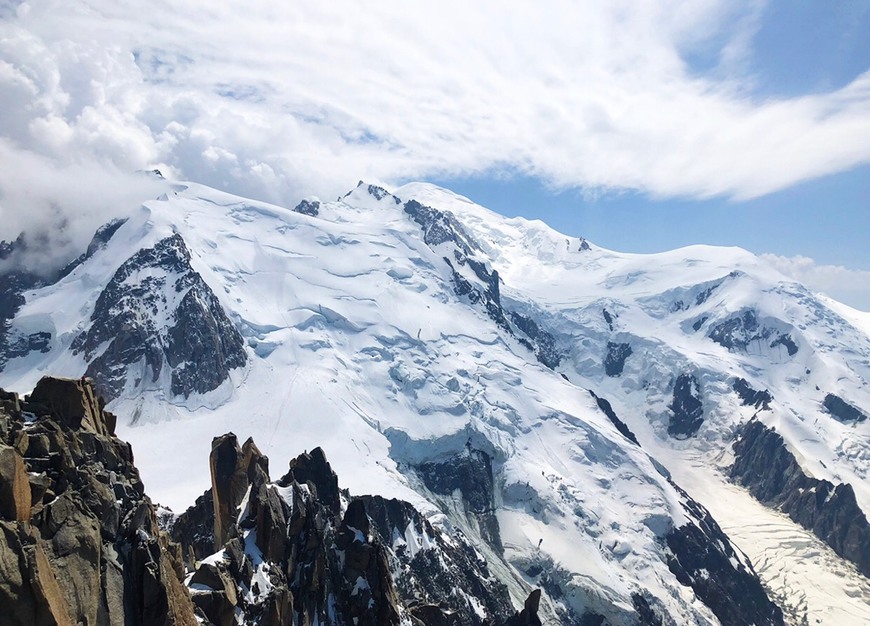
(675, 438)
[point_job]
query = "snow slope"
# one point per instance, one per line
(358, 343)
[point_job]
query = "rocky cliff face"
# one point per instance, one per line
(740, 331)
(687, 410)
(764, 465)
(701, 557)
(475, 280)
(300, 550)
(14, 281)
(80, 543)
(158, 312)
(435, 575)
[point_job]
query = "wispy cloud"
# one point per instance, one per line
(849, 286)
(58, 205)
(279, 100)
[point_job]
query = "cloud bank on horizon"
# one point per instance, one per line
(281, 100)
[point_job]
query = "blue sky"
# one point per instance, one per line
(805, 47)
(797, 48)
(827, 219)
(639, 125)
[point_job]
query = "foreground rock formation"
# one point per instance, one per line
(302, 551)
(80, 541)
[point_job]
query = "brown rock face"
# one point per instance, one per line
(14, 486)
(219, 603)
(73, 403)
(313, 468)
(233, 470)
(80, 540)
(29, 591)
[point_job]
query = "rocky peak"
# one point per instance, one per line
(313, 468)
(233, 471)
(528, 616)
(73, 402)
(80, 541)
(310, 207)
(285, 554)
(156, 311)
(441, 227)
(98, 241)
(16, 280)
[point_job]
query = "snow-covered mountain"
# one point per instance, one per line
(530, 394)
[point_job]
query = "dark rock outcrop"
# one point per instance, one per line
(313, 468)
(528, 616)
(471, 474)
(764, 465)
(621, 426)
(98, 241)
(442, 579)
(442, 227)
(199, 343)
(752, 397)
(194, 530)
(738, 331)
(16, 280)
(287, 554)
(608, 318)
(687, 410)
(308, 207)
(646, 616)
(541, 342)
(72, 402)
(842, 410)
(786, 341)
(233, 470)
(701, 557)
(376, 192)
(88, 549)
(614, 360)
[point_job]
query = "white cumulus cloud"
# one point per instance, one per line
(279, 100)
(849, 286)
